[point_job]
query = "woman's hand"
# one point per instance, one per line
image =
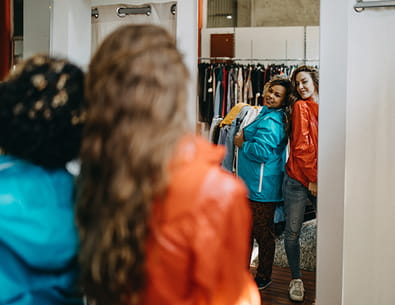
(239, 139)
(313, 188)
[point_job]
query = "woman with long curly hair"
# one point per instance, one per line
(160, 222)
(41, 122)
(300, 181)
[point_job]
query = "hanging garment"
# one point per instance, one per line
(205, 91)
(221, 86)
(230, 92)
(218, 93)
(228, 119)
(228, 162)
(253, 112)
(213, 134)
(250, 91)
(240, 83)
(224, 85)
(257, 85)
(250, 116)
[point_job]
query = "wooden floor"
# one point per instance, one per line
(277, 292)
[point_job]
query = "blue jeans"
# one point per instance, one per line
(296, 197)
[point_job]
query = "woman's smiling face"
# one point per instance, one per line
(305, 85)
(274, 96)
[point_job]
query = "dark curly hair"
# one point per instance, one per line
(136, 90)
(294, 96)
(42, 111)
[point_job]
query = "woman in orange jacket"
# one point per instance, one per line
(300, 181)
(160, 221)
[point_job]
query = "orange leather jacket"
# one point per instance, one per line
(198, 248)
(302, 161)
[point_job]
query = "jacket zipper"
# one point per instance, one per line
(261, 177)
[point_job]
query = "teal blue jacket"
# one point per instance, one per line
(261, 159)
(38, 239)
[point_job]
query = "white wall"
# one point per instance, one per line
(369, 242)
(269, 42)
(36, 25)
(331, 154)
(313, 43)
(71, 30)
(356, 164)
(187, 11)
(57, 27)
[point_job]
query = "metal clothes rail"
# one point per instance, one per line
(258, 59)
(361, 5)
(124, 11)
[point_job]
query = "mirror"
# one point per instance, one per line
(270, 38)
(36, 22)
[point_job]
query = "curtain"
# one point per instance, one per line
(200, 25)
(5, 37)
(108, 20)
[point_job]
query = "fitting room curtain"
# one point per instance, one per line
(108, 20)
(5, 37)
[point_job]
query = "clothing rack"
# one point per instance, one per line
(286, 60)
(221, 85)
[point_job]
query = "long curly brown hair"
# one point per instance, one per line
(136, 90)
(294, 96)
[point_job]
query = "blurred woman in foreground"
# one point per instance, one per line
(160, 221)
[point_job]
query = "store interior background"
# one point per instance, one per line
(264, 30)
(356, 244)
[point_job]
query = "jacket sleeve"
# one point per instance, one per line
(221, 246)
(264, 142)
(304, 151)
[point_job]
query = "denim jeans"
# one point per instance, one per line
(296, 197)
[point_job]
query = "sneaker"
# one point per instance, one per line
(262, 283)
(296, 290)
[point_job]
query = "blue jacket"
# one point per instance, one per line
(38, 239)
(261, 159)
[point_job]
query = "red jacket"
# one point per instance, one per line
(302, 161)
(199, 245)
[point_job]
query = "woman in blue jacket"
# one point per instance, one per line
(261, 160)
(41, 121)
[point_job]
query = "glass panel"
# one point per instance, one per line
(259, 13)
(221, 13)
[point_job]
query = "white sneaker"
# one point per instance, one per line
(296, 290)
